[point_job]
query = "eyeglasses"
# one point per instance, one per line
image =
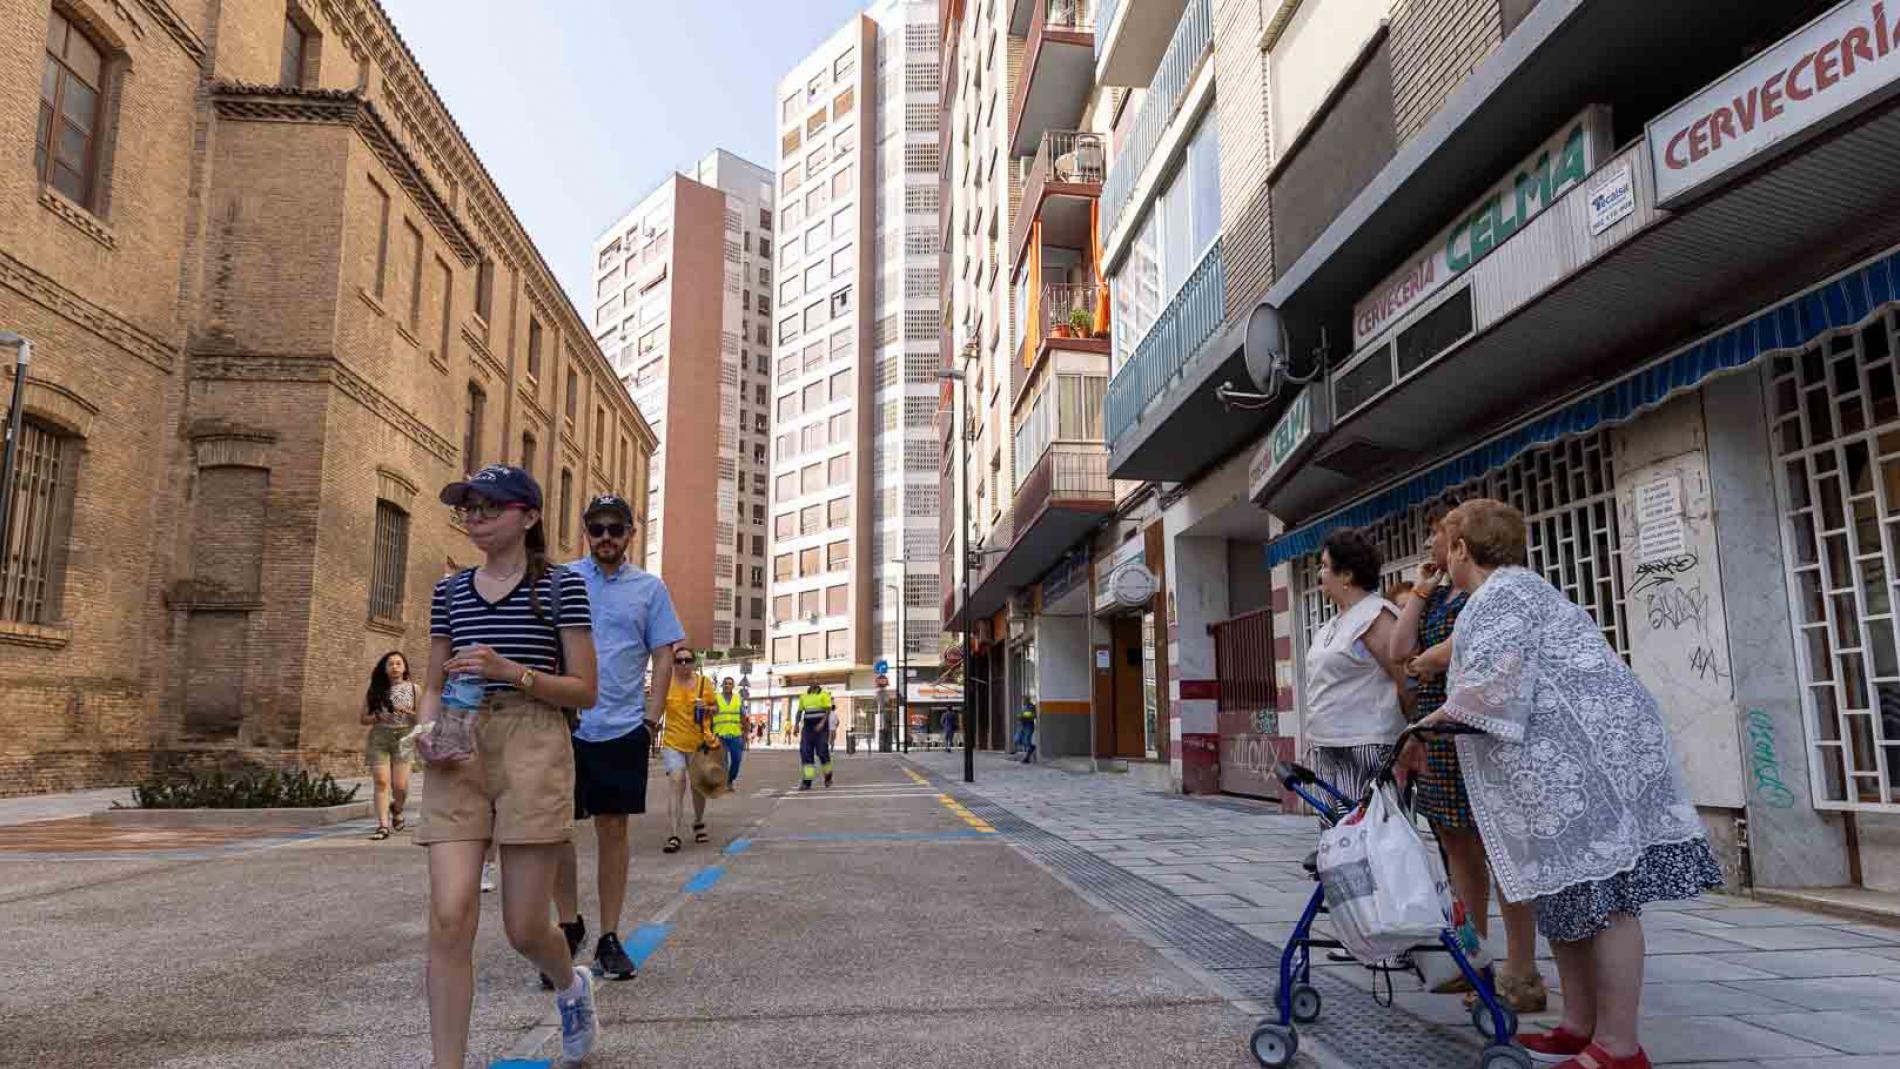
(486, 510)
(606, 530)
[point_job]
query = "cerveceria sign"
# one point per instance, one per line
(1826, 71)
(1558, 164)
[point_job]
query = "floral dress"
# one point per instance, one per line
(1441, 790)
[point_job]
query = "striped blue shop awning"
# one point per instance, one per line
(1843, 302)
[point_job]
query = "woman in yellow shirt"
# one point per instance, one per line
(689, 709)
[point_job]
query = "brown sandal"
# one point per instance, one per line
(379, 834)
(672, 845)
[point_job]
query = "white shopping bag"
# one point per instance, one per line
(1385, 888)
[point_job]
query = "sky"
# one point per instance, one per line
(576, 107)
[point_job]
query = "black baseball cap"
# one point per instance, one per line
(609, 503)
(503, 484)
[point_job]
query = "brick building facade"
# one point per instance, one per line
(276, 301)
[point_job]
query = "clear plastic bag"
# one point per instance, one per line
(449, 738)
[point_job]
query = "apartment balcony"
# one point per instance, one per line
(1062, 186)
(1067, 316)
(1058, 71)
(1131, 36)
(1149, 414)
(1186, 48)
(1064, 496)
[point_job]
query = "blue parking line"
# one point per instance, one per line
(737, 846)
(516, 1063)
(703, 880)
(644, 940)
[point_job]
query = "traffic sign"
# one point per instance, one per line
(882, 666)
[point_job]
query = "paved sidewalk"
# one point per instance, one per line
(1732, 983)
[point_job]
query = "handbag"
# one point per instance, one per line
(707, 767)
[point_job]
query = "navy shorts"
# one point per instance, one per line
(611, 777)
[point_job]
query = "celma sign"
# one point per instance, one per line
(1557, 165)
(1821, 74)
(1300, 425)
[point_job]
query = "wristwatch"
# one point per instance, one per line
(526, 683)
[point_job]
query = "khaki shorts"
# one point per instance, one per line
(518, 789)
(385, 744)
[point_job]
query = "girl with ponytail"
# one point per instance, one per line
(516, 631)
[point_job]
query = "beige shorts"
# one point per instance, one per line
(674, 761)
(518, 789)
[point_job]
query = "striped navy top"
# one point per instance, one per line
(461, 615)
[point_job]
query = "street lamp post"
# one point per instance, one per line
(963, 550)
(903, 640)
(22, 356)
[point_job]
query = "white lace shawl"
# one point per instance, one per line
(1574, 777)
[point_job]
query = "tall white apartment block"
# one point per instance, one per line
(854, 460)
(683, 290)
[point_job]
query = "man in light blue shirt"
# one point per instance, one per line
(633, 620)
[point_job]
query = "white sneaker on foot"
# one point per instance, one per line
(580, 1027)
(488, 876)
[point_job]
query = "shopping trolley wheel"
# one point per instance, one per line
(1481, 1020)
(1306, 1003)
(1505, 1056)
(1274, 1045)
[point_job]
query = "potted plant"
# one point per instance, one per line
(1060, 328)
(1081, 323)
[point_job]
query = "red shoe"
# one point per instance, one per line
(1554, 1046)
(1595, 1057)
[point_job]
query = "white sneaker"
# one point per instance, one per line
(580, 1027)
(488, 876)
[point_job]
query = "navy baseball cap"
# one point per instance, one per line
(503, 484)
(609, 503)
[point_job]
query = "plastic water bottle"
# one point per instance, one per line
(464, 691)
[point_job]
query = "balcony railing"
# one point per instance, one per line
(1077, 16)
(1178, 333)
(1067, 471)
(1192, 37)
(1071, 156)
(1064, 310)
(1105, 18)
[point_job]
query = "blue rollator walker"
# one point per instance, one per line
(1276, 1040)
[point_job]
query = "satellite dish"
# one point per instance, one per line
(1265, 347)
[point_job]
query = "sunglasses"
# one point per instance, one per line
(606, 530)
(682, 660)
(486, 510)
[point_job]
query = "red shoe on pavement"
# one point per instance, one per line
(1595, 1057)
(1554, 1046)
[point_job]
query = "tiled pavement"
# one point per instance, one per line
(1731, 983)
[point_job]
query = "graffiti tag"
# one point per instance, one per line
(1765, 762)
(1677, 606)
(1658, 572)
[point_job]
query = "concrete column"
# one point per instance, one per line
(1791, 844)
(1197, 585)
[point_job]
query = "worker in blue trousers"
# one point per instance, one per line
(816, 720)
(1026, 730)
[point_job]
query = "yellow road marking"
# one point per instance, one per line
(912, 773)
(965, 815)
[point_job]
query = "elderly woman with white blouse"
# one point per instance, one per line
(1577, 793)
(1353, 715)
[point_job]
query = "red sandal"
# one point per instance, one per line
(1556, 1045)
(1595, 1057)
